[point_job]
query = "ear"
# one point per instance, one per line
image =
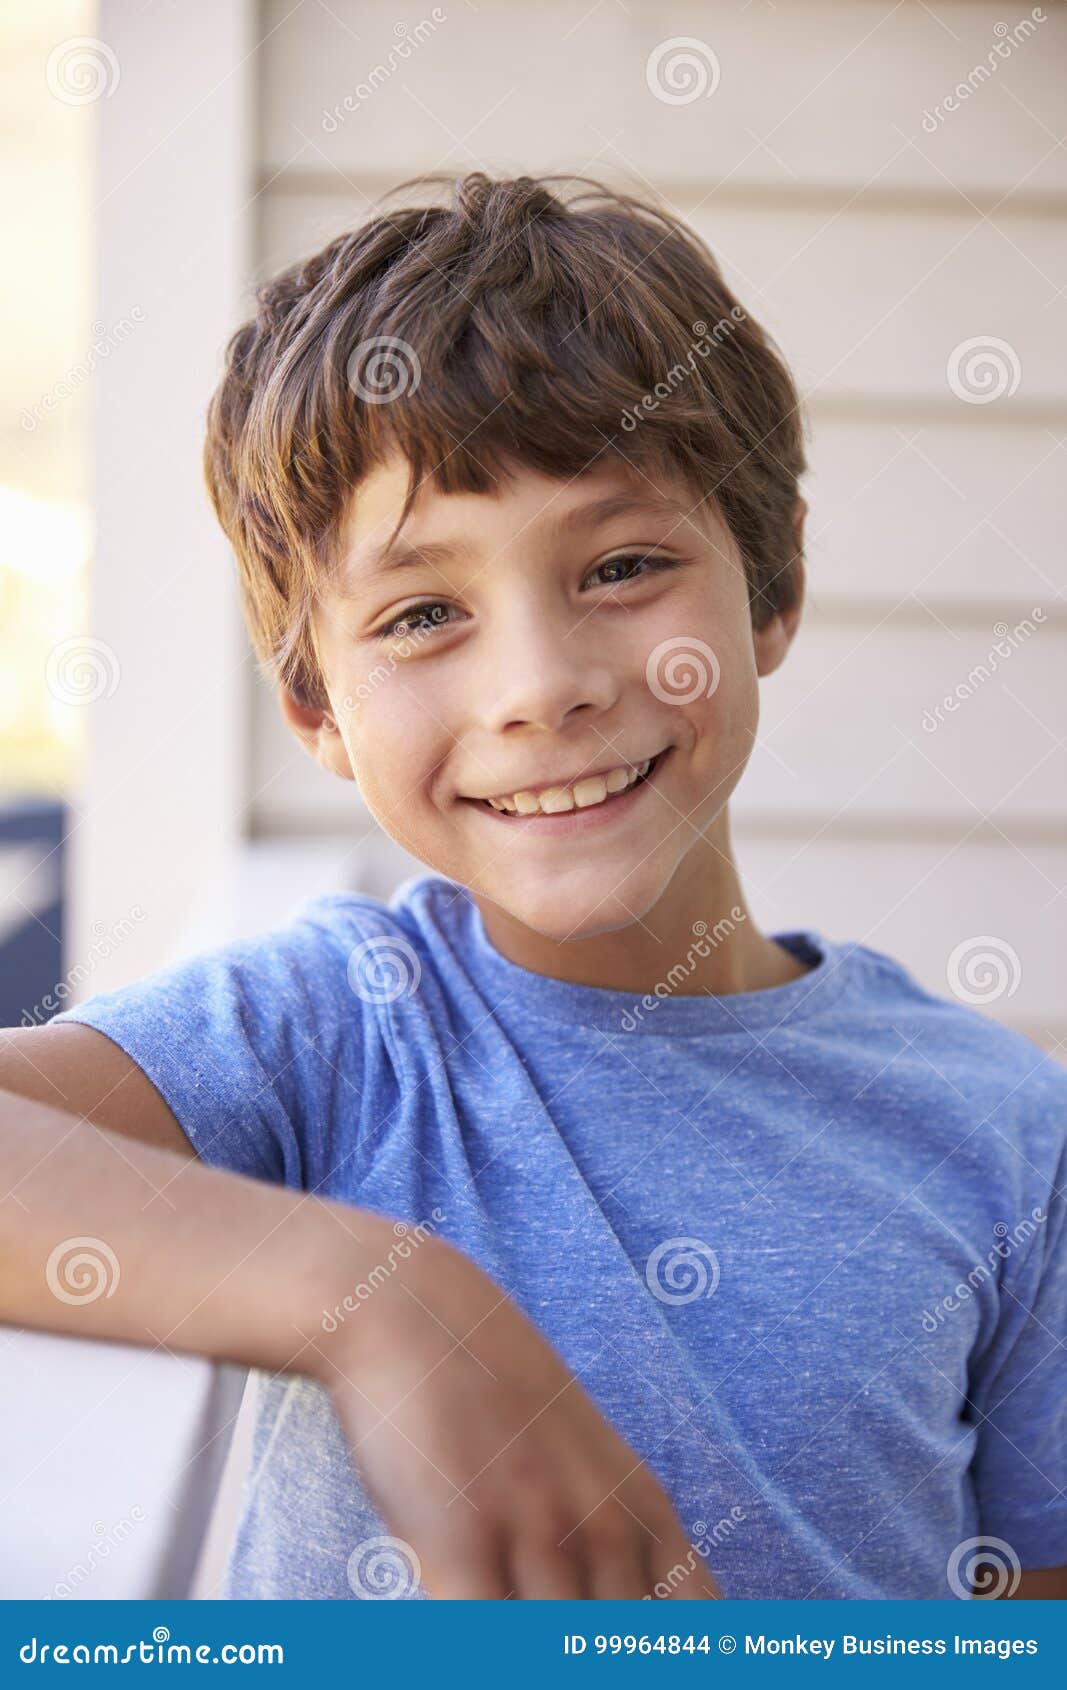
(772, 641)
(318, 733)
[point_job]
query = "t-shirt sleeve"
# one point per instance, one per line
(228, 1038)
(1019, 1387)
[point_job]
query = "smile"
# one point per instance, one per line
(611, 791)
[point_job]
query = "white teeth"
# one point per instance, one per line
(554, 800)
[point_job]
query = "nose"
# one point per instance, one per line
(546, 674)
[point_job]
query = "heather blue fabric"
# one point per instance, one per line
(804, 1247)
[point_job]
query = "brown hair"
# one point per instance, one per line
(514, 324)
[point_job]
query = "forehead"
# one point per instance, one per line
(525, 501)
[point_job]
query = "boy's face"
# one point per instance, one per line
(556, 631)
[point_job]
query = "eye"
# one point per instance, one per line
(634, 566)
(418, 621)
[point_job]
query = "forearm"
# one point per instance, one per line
(180, 1254)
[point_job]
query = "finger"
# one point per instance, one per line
(545, 1571)
(618, 1572)
(679, 1572)
(468, 1569)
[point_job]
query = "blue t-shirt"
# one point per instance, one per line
(804, 1247)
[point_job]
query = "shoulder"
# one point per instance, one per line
(993, 1076)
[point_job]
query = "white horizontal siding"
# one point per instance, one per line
(871, 248)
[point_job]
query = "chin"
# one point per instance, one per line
(581, 906)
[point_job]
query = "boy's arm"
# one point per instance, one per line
(74, 1067)
(477, 1445)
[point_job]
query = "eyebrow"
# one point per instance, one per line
(401, 554)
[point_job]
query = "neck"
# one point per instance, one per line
(699, 937)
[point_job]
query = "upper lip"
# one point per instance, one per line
(570, 780)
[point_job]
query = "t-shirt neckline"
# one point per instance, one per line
(629, 1015)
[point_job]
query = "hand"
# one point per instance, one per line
(481, 1450)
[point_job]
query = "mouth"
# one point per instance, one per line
(574, 808)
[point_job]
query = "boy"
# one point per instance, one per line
(513, 489)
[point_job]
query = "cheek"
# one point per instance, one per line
(699, 661)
